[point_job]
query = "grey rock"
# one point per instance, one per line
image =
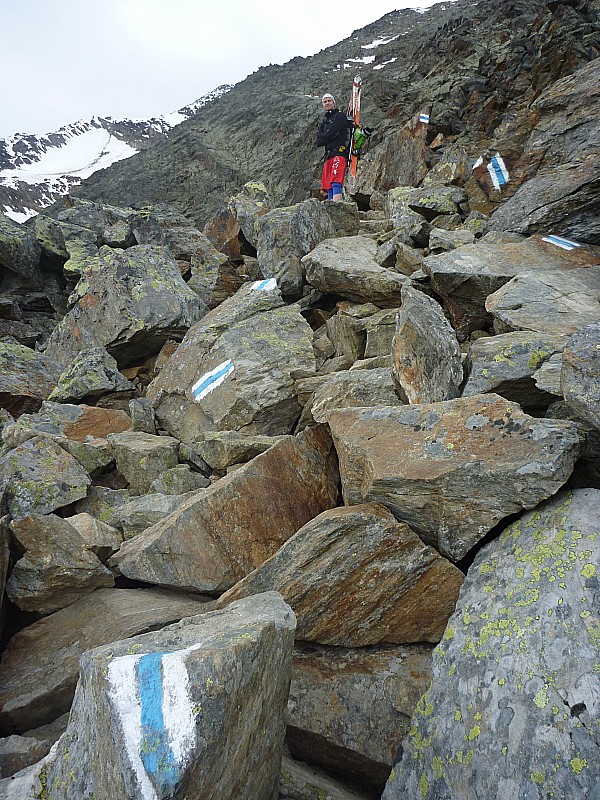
(380, 330)
(348, 267)
(19, 752)
(285, 235)
(225, 676)
(514, 702)
(26, 377)
(19, 252)
(355, 577)
(178, 480)
(426, 359)
(128, 301)
(41, 477)
(302, 782)
(236, 369)
(506, 364)
(353, 388)
(99, 538)
(344, 217)
(346, 334)
(142, 415)
(555, 303)
(221, 449)
(433, 200)
(220, 534)
(253, 202)
(56, 568)
(452, 470)
(50, 237)
(349, 707)
(142, 457)
(547, 377)
(580, 374)
(443, 240)
(40, 665)
(91, 374)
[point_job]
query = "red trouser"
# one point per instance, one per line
(334, 171)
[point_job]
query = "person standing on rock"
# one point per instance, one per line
(333, 136)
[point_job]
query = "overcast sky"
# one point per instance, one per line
(66, 60)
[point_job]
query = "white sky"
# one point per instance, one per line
(67, 60)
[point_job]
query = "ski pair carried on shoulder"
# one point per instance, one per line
(358, 134)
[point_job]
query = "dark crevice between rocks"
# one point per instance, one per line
(465, 563)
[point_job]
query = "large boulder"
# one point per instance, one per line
(41, 477)
(285, 235)
(40, 664)
(355, 577)
(129, 301)
(247, 206)
(92, 373)
(19, 254)
(514, 707)
(347, 267)
(464, 278)
(195, 710)
(235, 369)
(426, 358)
(142, 457)
(349, 707)
(352, 389)
(564, 147)
(26, 377)
(452, 470)
(218, 535)
(506, 364)
(56, 568)
(580, 374)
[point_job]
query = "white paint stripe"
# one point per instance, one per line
(493, 176)
(424, 118)
(566, 244)
(478, 163)
(264, 286)
(178, 713)
(210, 380)
(125, 696)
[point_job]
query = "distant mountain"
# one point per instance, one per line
(36, 170)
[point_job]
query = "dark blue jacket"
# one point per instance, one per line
(333, 134)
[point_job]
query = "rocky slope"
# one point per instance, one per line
(36, 170)
(328, 476)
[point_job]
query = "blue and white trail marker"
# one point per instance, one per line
(566, 244)
(498, 172)
(424, 118)
(264, 286)
(150, 694)
(210, 380)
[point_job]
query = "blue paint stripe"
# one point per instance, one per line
(498, 170)
(262, 284)
(156, 754)
(423, 118)
(206, 383)
(564, 242)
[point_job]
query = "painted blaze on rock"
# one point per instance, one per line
(514, 706)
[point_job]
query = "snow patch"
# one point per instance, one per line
(385, 63)
(377, 42)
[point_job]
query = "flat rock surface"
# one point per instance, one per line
(580, 374)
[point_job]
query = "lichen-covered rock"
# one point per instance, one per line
(56, 567)
(178, 480)
(235, 369)
(349, 707)
(506, 364)
(19, 252)
(347, 267)
(247, 206)
(355, 577)
(514, 705)
(218, 535)
(181, 709)
(433, 200)
(129, 301)
(77, 423)
(426, 358)
(40, 664)
(285, 235)
(91, 374)
(26, 377)
(580, 374)
(142, 457)
(221, 449)
(452, 470)
(41, 477)
(441, 240)
(302, 782)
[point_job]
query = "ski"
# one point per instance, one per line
(354, 121)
